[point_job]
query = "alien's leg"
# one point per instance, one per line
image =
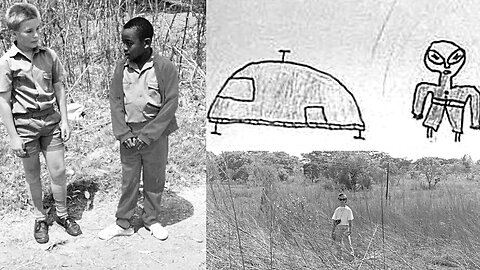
(429, 132)
(455, 117)
(457, 136)
(433, 119)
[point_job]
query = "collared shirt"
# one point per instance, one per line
(142, 96)
(30, 80)
(165, 121)
(344, 214)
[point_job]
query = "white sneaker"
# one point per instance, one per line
(114, 230)
(158, 231)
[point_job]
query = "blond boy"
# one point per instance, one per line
(30, 84)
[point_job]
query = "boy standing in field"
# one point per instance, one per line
(342, 226)
(143, 102)
(30, 84)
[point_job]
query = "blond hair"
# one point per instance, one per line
(20, 12)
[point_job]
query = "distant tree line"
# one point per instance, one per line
(335, 169)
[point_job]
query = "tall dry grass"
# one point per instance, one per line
(86, 36)
(421, 229)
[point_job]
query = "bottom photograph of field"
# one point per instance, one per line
(272, 210)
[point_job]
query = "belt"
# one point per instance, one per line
(449, 102)
(35, 114)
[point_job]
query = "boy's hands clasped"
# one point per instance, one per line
(134, 142)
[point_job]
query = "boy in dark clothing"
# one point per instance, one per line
(143, 102)
(30, 84)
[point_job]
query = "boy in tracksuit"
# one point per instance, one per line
(143, 102)
(30, 84)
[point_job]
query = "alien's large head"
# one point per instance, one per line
(444, 57)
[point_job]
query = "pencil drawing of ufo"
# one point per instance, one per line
(285, 94)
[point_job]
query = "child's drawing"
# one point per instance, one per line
(446, 58)
(285, 94)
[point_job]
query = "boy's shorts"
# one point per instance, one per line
(40, 131)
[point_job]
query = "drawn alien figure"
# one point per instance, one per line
(446, 58)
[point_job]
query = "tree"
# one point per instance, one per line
(312, 171)
(352, 170)
(233, 165)
(285, 164)
(467, 163)
(213, 171)
(432, 168)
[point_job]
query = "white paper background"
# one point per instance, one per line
(345, 39)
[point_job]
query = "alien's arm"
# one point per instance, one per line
(474, 106)
(421, 92)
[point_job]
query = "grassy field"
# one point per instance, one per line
(413, 229)
(86, 35)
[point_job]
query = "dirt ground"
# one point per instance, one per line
(184, 217)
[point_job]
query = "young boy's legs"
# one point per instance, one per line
(342, 241)
(43, 135)
(154, 159)
(56, 166)
(31, 165)
(131, 169)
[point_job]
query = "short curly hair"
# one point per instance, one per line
(142, 26)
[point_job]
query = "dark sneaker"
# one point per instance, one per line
(70, 225)
(40, 232)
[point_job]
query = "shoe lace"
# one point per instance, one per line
(41, 225)
(70, 221)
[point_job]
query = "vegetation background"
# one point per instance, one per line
(86, 36)
(272, 210)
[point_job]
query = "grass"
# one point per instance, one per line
(86, 36)
(421, 229)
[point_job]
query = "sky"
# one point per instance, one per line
(374, 47)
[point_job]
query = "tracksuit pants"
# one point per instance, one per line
(152, 159)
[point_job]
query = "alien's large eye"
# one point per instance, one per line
(456, 57)
(435, 57)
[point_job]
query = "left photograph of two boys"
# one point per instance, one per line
(102, 134)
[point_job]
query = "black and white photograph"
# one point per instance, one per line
(399, 76)
(102, 145)
(341, 210)
(253, 134)
(343, 134)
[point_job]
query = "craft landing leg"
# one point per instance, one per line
(359, 137)
(215, 130)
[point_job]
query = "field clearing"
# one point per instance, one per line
(422, 229)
